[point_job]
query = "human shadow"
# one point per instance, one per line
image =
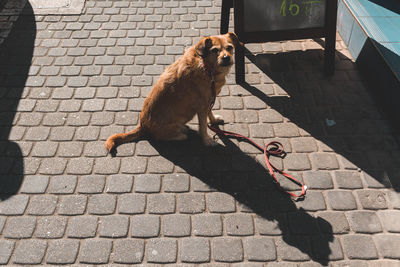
(360, 132)
(225, 168)
(15, 60)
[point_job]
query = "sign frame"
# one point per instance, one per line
(328, 31)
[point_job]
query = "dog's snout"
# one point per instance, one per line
(226, 59)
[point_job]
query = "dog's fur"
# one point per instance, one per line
(182, 91)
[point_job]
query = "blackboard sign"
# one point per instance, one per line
(271, 15)
(259, 21)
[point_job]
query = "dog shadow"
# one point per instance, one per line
(15, 61)
(225, 168)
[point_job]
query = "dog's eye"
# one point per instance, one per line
(214, 50)
(229, 48)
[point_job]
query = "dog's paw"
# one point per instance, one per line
(109, 144)
(209, 141)
(218, 119)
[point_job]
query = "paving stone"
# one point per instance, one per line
(220, 202)
(341, 200)
(194, 250)
(63, 184)
(176, 183)
(148, 183)
(261, 131)
(259, 248)
(334, 252)
(207, 225)
(304, 144)
(239, 224)
(318, 180)
(37, 134)
(191, 203)
(80, 166)
(114, 226)
(90, 133)
(161, 203)
(85, 92)
(119, 184)
(51, 227)
(176, 225)
(160, 165)
(226, 249)
(389, 219)
(70, 106)
(145, 226)
(91, 184)
(102, 204)
(107, 165)
(42, 205)
(30, 251)
(53, 166)
(393, 198)
(95, 251)
(30, 119)
(313, 202)
(93, 105)
(292, 248)
(6, 249)
(297, 162)
(333, 222)
(388, 245)
(126, 118)
(364, 222)
(359, 247)
(72, 205)
(95, 149)
(62, 251)
(162, 250)
(44, 149)
(35, 184)
(348, 179)
(132, 203)
(376, 179)
(82, 226)
(128, 251)
(323, 161)
(266, 226)
(20, 227)
(246, 116)
(372, 199)
(54, 119)
(286, 130)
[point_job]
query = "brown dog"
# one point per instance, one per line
(186, 88)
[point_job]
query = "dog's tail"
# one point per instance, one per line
(117, 139)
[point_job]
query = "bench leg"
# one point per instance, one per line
(225, 11)
(239, 64)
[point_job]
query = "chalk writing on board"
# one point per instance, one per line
(275, 15)
(296, 8)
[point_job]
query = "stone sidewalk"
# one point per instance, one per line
(67, 82)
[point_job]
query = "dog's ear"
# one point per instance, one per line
(203, 46)
(234, 39)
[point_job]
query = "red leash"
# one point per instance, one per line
(272, 149)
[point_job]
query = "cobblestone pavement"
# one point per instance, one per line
(68, 82)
